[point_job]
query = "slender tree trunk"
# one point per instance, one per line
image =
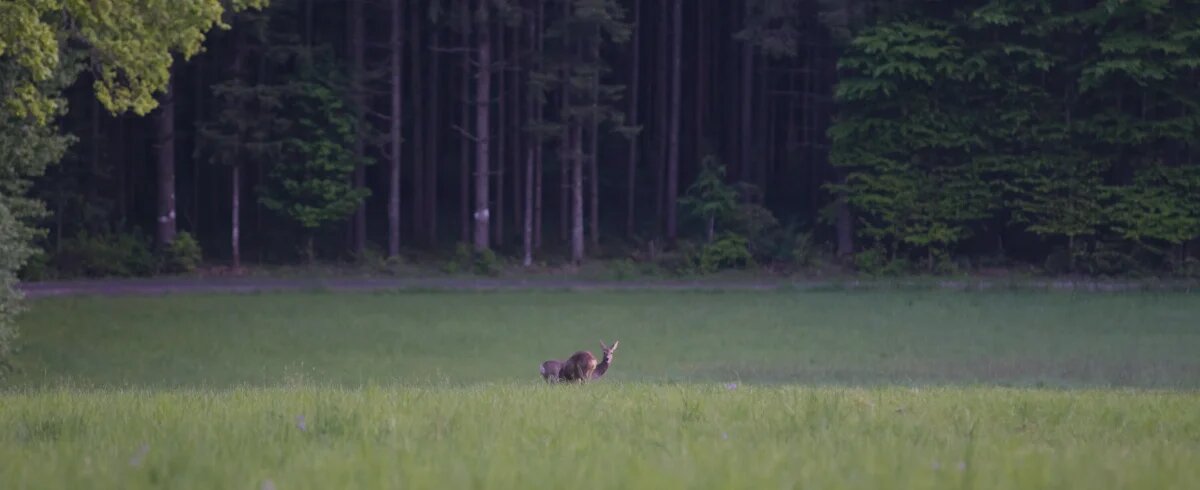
(235, 218)
(528, 235)
(564, 173)
(673, 145)
(747, 89)
(700, 142)
(768, 123)
(631, 172)
(235, 170)
(120, 155)
(357, 48)
(501, 141)
(464, 175)
(418, 140)
(661, 127)
(483, 93)
(577, 195)
(93, 184)
(593, 159)
(539, 146)
(308, 22)
(516, 113)
(201, 85)
(791, 136)
(433, 149)
(394, 134)
(538, 196)
(165, 127)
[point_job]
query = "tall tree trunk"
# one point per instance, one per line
(661, 126)
(577, 195)
(121, 159)
(527, 236)
(201, 85)
(537, 141)
(483, 94)
(515, 133)
(700, 143)
(501, 161)
(235, 170)
(564, 159)
(673, 145)
(747, 104)
(594, 156)
(308, 22)
(464, 147)
(631, 183)
(433, 149)
(394, 133)
(418, 140)
(235, 212)
(768, 122)
(93, 184)
(165, 128)
(357, 52)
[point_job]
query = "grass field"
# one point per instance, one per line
(708, 390)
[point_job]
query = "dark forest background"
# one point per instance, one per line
(886, 136)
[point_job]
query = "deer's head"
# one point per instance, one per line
(608, 350)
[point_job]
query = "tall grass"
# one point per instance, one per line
(609, 435)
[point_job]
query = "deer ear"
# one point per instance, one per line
(615, 343)
(602, 346)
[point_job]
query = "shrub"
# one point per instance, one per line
(729, 251)
(14, 250)
(466, 259)
(120, 255)
(182, 255)
(875, 262)
(804, 249)
(487, 263)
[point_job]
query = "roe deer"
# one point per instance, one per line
(581, 366)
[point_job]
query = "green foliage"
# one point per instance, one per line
(310, 183)
(729, 251)
(183, 254)
(876, 262)
(709, 198)
(804, 249)
(572, 64)
(27, 148)
(129, 44)
(105, 255)
(1161, 206)
(14, 250)
(1078, 127)
(466, 259)
(909, 137)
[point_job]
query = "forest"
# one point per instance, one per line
(884, 136)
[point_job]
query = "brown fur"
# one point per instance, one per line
(552, 370)
(579, 367)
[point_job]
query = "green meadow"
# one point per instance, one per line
(708, 390)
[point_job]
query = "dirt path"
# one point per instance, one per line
(158, 286)
(118, 287)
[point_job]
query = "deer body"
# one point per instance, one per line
(580, 367)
